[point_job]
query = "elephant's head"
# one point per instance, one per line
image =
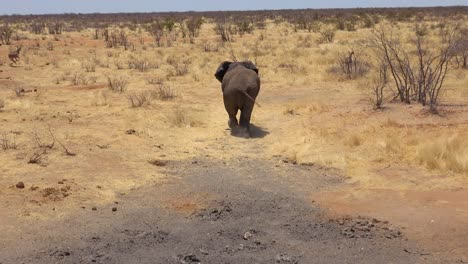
(226, 65)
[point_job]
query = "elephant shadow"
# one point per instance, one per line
(255, 132)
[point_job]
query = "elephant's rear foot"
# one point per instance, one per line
(240, 132)
(232, 123)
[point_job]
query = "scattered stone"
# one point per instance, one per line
(20, 185)
(34, 188)
(188, 259)
(247, 235)
(94, 208)
(159, 163)
(203, 252)
(131, 132)
(114, 209)
(60, 182)
(284, 258)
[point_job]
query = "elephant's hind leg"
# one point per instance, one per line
(231, 109)
(246, 113)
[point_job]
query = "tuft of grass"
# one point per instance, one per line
(445, 154)
(183, 118)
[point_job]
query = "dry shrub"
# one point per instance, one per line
(117, 83)
(8, 142)
(155, 80)
(445, 154)
(119, 64)
(164, 92)
(141, 64)
(89, 65)
(210, 47)
(182, 68)
(350, 65)
(139, 99)
(327, 35)
(78, 78)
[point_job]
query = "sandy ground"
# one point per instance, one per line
(325, 178)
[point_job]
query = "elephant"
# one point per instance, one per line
(240, 85)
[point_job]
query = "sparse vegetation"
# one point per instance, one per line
(164, 92)
(127, 88)
(139, 99)
(117, 83)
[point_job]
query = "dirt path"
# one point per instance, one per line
(246, 211)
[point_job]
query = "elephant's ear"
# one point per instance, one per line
(222, 69)
(250, 65)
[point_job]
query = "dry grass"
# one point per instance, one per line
(447, 153)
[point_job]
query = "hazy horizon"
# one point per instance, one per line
(24, 7)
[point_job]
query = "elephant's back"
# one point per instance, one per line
(241, 78)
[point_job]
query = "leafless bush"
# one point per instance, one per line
(139, 99)
(155, 80)
(117, 83)
(327, 35)
(119, 64)
(6, 32)
(157, 31)
(7, 142)
(378, 85)
(141, 64)
(418, 75)
(461, 50)
(350, 65)
(116, 39)
(193, 26)
(39, 140)
(89, 65)
(181, 69)
(164, 92)
(78, 78)
(37, 157)
(210, 47)
(224, 29)
(50, 46)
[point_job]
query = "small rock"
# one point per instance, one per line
(94, 208)
(20, 185)
(203, 252)
(189, 259)
(114, 209)
(60, 182)
(247, 235)
(130, 132)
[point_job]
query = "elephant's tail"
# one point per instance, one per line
(250, 97)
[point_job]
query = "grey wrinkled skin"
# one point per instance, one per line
(240, 84)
